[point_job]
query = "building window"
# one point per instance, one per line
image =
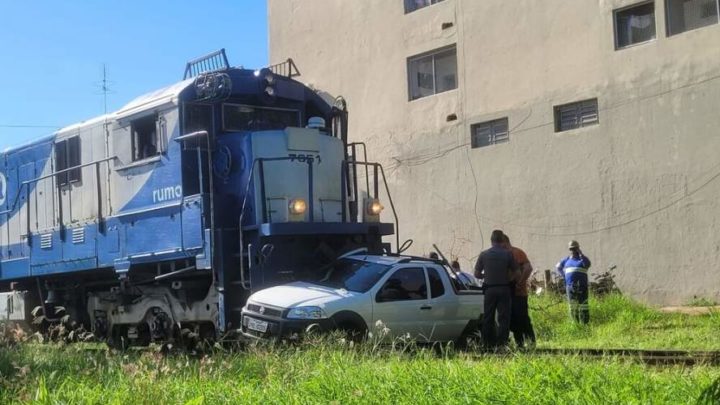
(489, 133)
(686, 15)
(412, 5)
(634, 24)
(145, 138)
(576, 115)
(432, 73)
(67, 156)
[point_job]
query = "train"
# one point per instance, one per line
(161, 218)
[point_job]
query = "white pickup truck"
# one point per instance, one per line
(409, 295)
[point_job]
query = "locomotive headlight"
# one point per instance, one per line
(374, 208)
(269, 77)
(298, 206)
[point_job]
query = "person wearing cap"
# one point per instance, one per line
(497, 267)
(574, 270)
(520, 323)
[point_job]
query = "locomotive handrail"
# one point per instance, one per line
(191, 135)
(25, 186)
(286, 68)
(28, 182)
(251, 175)
(211, 186)
(211, 62)
(309, 162)
(69, 170)
(17, 196)
(376, 167)
(354, 185)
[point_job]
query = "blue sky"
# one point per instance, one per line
(52, 53)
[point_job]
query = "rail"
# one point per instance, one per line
(25, 189)
(260, 162)
(211, 62)
(286, 68)
(657, 357)
(211, 186)
(377, 170)
(353, 155)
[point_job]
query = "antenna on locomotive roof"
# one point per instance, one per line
(104, 87)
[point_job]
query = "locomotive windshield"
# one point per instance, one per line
(238, 117)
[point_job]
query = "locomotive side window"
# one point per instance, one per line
(67, 156)
(198, 117)
(238, 117)
(145, 138)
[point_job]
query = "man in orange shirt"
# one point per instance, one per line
(520, 323)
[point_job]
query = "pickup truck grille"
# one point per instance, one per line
(263, 310)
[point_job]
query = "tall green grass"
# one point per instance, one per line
(330, 371)
(619, 322)
(332, 374)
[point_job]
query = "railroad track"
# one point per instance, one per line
(650, 357)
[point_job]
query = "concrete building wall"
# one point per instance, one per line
(638, 190)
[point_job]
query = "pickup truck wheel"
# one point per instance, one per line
(471, 336)
(351, 325)
(353, 333)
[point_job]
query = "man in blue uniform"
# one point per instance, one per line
(574, 269)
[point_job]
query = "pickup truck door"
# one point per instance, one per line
(401, 301)
(447, 318)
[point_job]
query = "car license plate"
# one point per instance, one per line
(257, 325)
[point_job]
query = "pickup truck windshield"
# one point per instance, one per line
(353, 275)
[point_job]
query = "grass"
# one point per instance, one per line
(619, 322)
(701, 302)
(327, 371)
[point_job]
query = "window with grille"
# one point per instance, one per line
(576, 115)
(412, 5)
(432, 73)
(67, 156)
(686, 15)
(634, 24)
(489, 133)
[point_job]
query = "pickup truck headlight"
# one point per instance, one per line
(306, 313)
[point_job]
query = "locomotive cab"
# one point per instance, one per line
(287, 187)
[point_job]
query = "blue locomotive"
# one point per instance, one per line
(165, 215)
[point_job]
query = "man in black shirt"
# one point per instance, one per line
(498, 269)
